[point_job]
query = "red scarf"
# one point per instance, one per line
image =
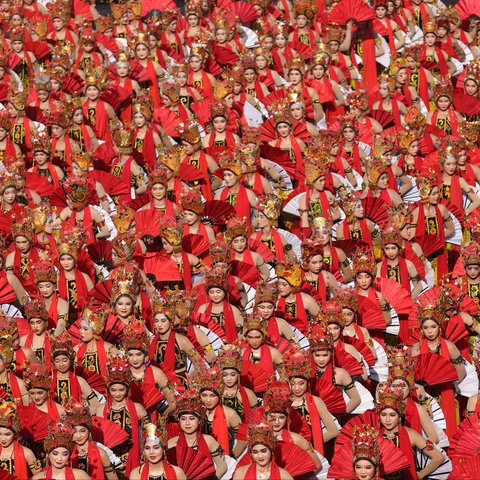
(382, 29)
(277, 243)
(53, 311)
(53, 174)
(126, 111)
(148, 147)
(300, 321)
(82, 291)
(404, 275)
(14, 387)
(46, 346)
(157, 101)
(412, 418)
(100, 123)
(242, 203)
(448, 398)
(251, 473)
(442, 63)
(126, 170)
(95, 464)
(315, 423)
(364, 231)
(169, 471)
(69, 475)
(201, 164)
(206, 90)
(228, 318)
(220, 429)
(87, 222)
(456, 196)
(168, 364)
(266, 362)
(298, 156)
(20, 360)
(101, 354)
(67, 153)
(321, 287)
(452, 117)
(169, 210)
(19, 460)
(247, 256)
(75, 389)
(273, 331)
(27, 279)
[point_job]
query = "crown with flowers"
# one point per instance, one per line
(236, 227)
(161, 305)
(118, 371)
(406, 137)
(209, 379)
(334, 33)
(472, 71)
(365, 446)
(310, 248)
(96, 317)
(7, 325)
(358, 98)
(230, 160)
(451, 294)
(218, 109)
(7, 180)
(391, 398)
(319, 335)
(172, 157)
(363, 260)
(125, 278)
(219, 252)
(297, 364)
(60, 435)
(36, 309)
(70, 241)
(191, 200)
(347, 298)
(413, 119)
(317, 163)
(44, 271)
(36, 375)
(82, 159)
(261, 432)
(278, 397)
(124, 245)
(290, 271)
(124, 137)
(172, 232)
(471, 253)
(171, 90)
(58, 116)
(348, 121)
(183, 304)
(249, 156)
(391, 235)
(266, 292)
(222, 89)
(401, 364)
(5, 121)
(304, 7)
(123, 218)
(330, 313)
(430, 27)
(472, 223)
(230, 356)
(251, 135)
(376, 167)
(159, 175)
(189, 403)
(254, 322)
(62, 345)
(17, 98)
(143, 105)
(135, 337)
(429, 309)
(9, 417)
(443, 89)
(426, 181)
(76, 190)
(217, 277)
(96, 76)
(22, 226)
(281, 113)
(322, 55)
(78, 413)
(17, 34)
(271, 206)
(41, 142)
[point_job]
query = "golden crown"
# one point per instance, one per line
(209, 379)
(123, 219)
(319, 336)
(182, 302)
(401, 364)
(78, 413)
(297, 364)
(266, 292)
(189, 403)
(59, 435)
(236, 227)
(271, 206)
(365, 446)
(62, 345)
(172, 232)
(96, 317)
(135, 337)
(391, 398)
(36, 309)
(261, 432)
(277, 398)
(429, 309)
(291, 272)
(82, 159)
(156, 432)
(391, 235)
(230, 160)
(191, 133)
(191, 200)
(36, 375)
(124, 138)
(76, 190)
(96, 77)
(118, 371)
(363, 260)
(44, 271)
(230, 356)
(471, 254)
(143, 105)
(255, 322)
(347, 298)
(9, 417)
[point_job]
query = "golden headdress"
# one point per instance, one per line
(319, 335)
(76, 190)
(172, 232)
(359, 99)
(96, 317)
(297, 364)
(156, 432)
(44, 271)
(391, 398)
(189, 403)
(291, 272)
(347, 298)
(230, 356)
(208, 379)
(401, 365)
(363, 260)
(261, 432)
(118, 371)
(41, 142)
(443, 89)
(62, 345)
(191, 201)
(125, 280)
(317, 163)
(231, 161)
(36, 309)
(60, 435)
(217, 277)
(429, 309)
(70, 241)
(255, 322)
(472, 71)
(78, 413)
(471, 254)
(190, 133)
(365, 446)
(135, 337)
(96, 77)
(9, 417)
(277, 398)
(36, 375)
(266, 292)
(124, 138)
(143, 105)
(304, 7)
(182, 303)
(271, 206)
(391, 235)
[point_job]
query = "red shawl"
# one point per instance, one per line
(100, 123)
(364, 231)
(298, 156)
(126, 171)
(220, 428)
(27, 279)
(95, 464)
(75, 389)
(228, 318)
(300, 321)
(201, 164)
(101, 354)
(456, 196)
(157, 101)
(82, 291)
(87, 222)
(326, 208)
(404, 275)
(53, 174)
(315, 422)
(46, 346)
(251, 473)
(412, 418)
(442, 63)
(452, 117)
(19, 460)
(206, 89)
(53, 311)
(169, 471)
(69, 475)
(242, 203)
(266, 362)
(277, 243)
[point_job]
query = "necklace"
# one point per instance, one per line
(263, 475)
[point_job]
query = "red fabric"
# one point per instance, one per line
(100, 123)
(448, 399)
(206, 188)
(442, 63)
(300, 321)
(298, 156)
(412, 418)
(266, 362)
(69, 475)
(251, 473)
(456, 196)
(326, 209)
(95, 464)
(82, 291)
(321, 288)
(126, 171)
(53, 174)
(242, 203)
(21, 468)
(228, 318)
(46, 346)
(315, 422)
(406, 447)
(277, 243)
(220, 429)
(381, 29)
(206, 90)
(101, 354)
(53, 311)
(67, 152)
(87, 222)
(27, 279)
(168, 364)
(169, 471)
(364, 231)
(20, 361)
(75, 389)
(404, 275)
(452, 117)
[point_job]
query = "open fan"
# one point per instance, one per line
(384, 118)
(468, 8)
(261, 249)
(201, 109)
(243, 11)
(359, 422)
(195, 244)
(193, 462)
(465, 441)
(379, 372)
(7, 295)
(101, 253)
(102, 291)
(370, 315)
(139, 201)
(346, 361)
(375, 209)
(431, 244)
(434, 369)
(225, 56)
(112, 185)
(189, 173)
(304, 51)
(217, 212)
(441, 473)
(164, 269)
(346, 10)
(465, 469)
(330, 394)
(146, 394)
(247, 272)
(396, 295)
(362, 348)
(349, 246)
(107, 433)
(366, 399)
(33, 423)
(39, 184)
(293, 240)
(253, 376)
(170, 121)
(455, 330)
(292, 204)
(466, 104)
(147, 222)
(279, 156)
(94, 380)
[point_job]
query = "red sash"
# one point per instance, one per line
(157, 101)
(19, 460)
(148, 147)
(406, 447)
(404, 275)
(273, 331)
(206, 89)
(75, 389)
(53, 311)
(228, 318)
(452, 117)
(381, 29)
(126, 171)
(412, 418)
(53, 174)
(95, 464)
(266, 362)
(315, 422)
(27, 279)
(82, 291)
(277, 243)
(364, 231)
(251, 473)
(220, 429)
(169, 471)
(300, 321)
(247, 409)
(201, 444)
(442, 63)
(321, 286)
(203, 167)
(242, 203)
(169, 210)
(101, 354)
(101, 127)
(69, 475)
(46, 346)
(326, 208)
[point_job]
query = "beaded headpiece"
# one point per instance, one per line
(172, 157)
(143, 105)
(319, 336)
(230, 357)
(266, 292)
(429, 309)
(123, 218)
(183, 304)
(172, 232)
(217, 277)
(189, 403)
(391, 235)
(359, 99)
(310, 248)
(236, 227)
(363, 260)
(297, 364)
(160, 305)
(124, 138)
(18, 99)
(251, 135)
(76, 190)
(191, 200)
(442, 89)
(135, 337)
(71, 241)
(254, 322)
(401, 364)
(426, 181)
(78, 413)
(334, 33)
(331, 313)
(118, 371)
(6, 348)
(9, 417)
(391, 398)
(36, 375)
(36, 309)
(44, 271)
(23, 227)
(96, 317)
(125, 280)
(471, 254)
(365, 446)
(249, 156)
(171, 90)
(219, 252)
(291, 272)
(430, 27)
(96, 77)
(7, 180)
(317, 162)
(277, 398)
(261, 432)
(82, 159)
(62, 345)
(348, 121)
(209, 379)
(347, 298)
(60, 435)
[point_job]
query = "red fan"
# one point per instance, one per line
(7, 294)
(431, 244)
(39, 184)
(254, 377)
(112, 185)
(466, 104)
(348, 362)
(58, 198)
(261, 249)
(139, 73)
(349, 246)
(434, 130)
(101, 253)
(94, 379)
(375, 210)
(170, 121)
(395, 294)
(392, 459)
(466, 469)
(225, 56)
(147, 222)
(304, 51)
(299, 425)
(148, 5)
(189, 173)
(277, 96)
(198, 245)
(434, 369)
(13, 60)
(359, 422)
(454, 330)
(384, 118)
(113, 331)
(279, 156)
(146, 394)
(73, 84)
(244, 11)
(74, 331)
(103, 156)
(458, 269)
(4, 475)
(107, 433)
(6, 224)
(469, 429)
(41, 50)
(468, 8)
(211, 66)
(108, 43)
(33, 423)
(4, 92)
(138, 202)
(22, 326)
(362, 348)
(246, 272)
(370, 315)
(201, 109)
(163, 268)
(102, 291)
(193, 462)
(217, 212)
(330, 394)
(213, 326)
(346, 10)
(111, 96)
